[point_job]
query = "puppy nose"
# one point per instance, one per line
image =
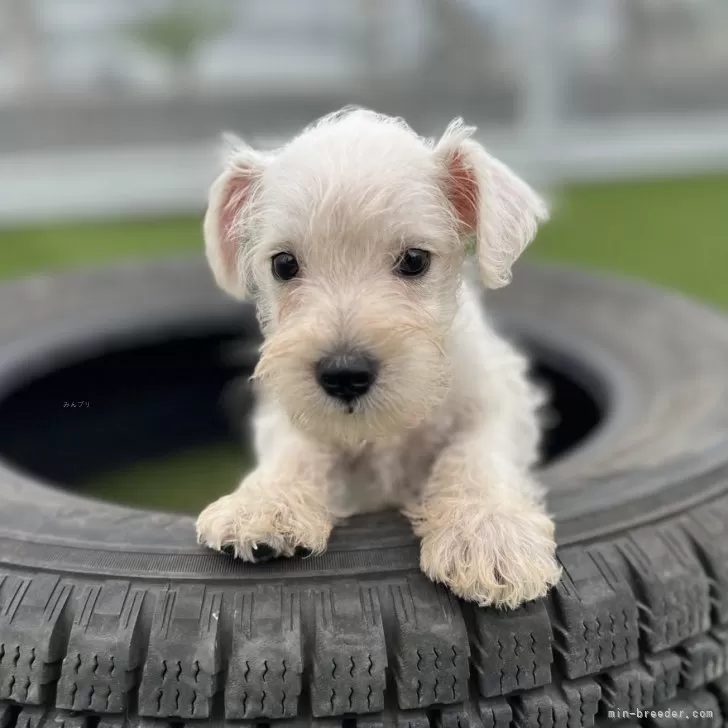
(346, 376)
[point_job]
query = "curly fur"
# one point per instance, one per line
(449, 431)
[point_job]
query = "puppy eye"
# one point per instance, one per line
(285, 266)
(413, 262)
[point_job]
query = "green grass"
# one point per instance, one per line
(185, 482)
(31, 249)
(672, 232)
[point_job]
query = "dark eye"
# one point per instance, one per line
(413, 262)
(285, 266)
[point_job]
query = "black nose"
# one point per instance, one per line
(346, 376)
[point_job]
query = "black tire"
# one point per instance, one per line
(111, 615)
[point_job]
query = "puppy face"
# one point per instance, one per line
(350, 239)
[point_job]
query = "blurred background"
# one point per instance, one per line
(617, 109)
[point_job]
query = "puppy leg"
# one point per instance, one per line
(280, 508)
(485, 533)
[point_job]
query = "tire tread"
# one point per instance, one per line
(398, 651)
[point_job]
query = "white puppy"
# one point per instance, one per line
(382, 383)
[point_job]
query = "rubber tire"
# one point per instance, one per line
(113, 616)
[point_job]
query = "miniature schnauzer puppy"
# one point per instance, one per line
(382, 382)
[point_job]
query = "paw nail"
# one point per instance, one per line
(303, 552)
(228, 549)
(262, 553)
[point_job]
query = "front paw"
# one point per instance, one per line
(257, 528)
(500, 559)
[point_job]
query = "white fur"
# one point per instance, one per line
(449, 432)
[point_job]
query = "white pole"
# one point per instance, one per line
(540, 83)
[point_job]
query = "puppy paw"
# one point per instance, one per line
(257, 529)
(262, 552)
(502, 559)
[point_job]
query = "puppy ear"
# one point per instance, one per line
(490, 202)
(227, 215)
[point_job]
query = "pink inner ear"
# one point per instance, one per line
(463, 191)
(233, 198)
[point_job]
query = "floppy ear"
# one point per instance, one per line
(227, 216)
(490, 202)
